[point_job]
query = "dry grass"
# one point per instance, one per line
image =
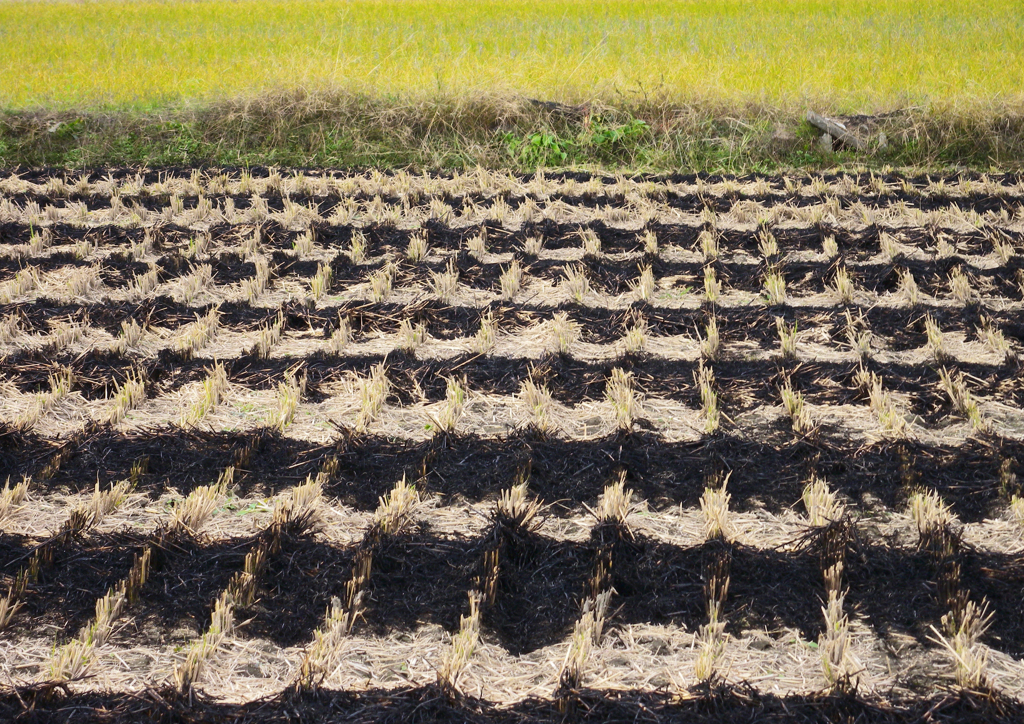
(842, 284)
(198, 334)
(930, 514)
(10, 499)
(321, 282)
(615, 504)
(131, 334)
(591, 243)
(476, 245)
(961, 288)
(289, 394)
(636, 337)
(456, 657)
(418, 247)
(767, 245)
(908, 288)
(381, 282)
(889, 416)
(269, 336)
(515, 510)
(192, 513)
(586, 634)
(411, 336)
(649, 241)
(145, 284)
(10, 327)
(357, 247)
(834, 643)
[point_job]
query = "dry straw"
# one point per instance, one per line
(341, 335)
(624, 401)
(645, 286)
(842, 286)
(635, 339)
(936, 345)
(381, 282)
(704, 378)
(538, 403)
(127, 397)
(564, 333)
(793, 403)
(373, 392)
(11, 498)
(418, 247)
(576, 283)
(821, 504)
(708, 242)
(410, 336)
(586, 634)
(289, 394)
(591, 242)
(710, 343)
(955, 386)
(192, 513)
(774, 288)
(453, 406)
(511, 280)
(714, 507)
(214, 389)
(476, 245)
(445, 285)
(712, 286)
(787, 338)
(456, 657)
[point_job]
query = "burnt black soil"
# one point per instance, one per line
(565, 473)
(423, 577)
(734, 705)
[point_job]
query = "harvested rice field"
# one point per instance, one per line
(302, 446)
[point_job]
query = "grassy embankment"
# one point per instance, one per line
(704, 84)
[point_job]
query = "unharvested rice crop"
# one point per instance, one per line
(861, 55)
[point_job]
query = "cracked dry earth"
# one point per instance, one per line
(287, 446)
